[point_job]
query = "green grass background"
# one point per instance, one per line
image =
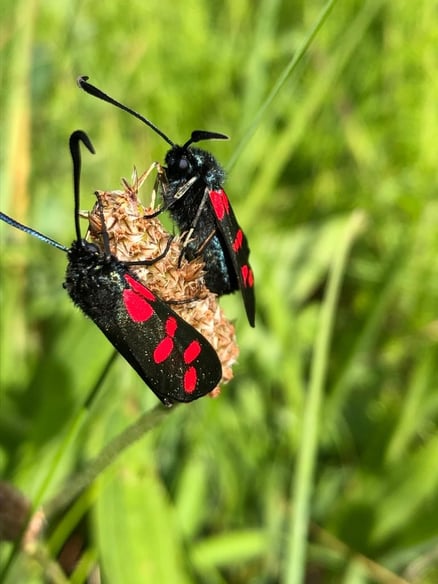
(319, 462)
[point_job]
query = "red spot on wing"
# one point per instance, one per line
(165, 346)
(192, 352)
(220, 203)
(136, 299)
(171, 326)
(247, 276)
(163, 350)
(139, 288)
(190, 380)
(138, 308)
(238, 240)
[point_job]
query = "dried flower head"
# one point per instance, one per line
(133, 237)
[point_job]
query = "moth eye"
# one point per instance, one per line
(92, 247)
(183, 164)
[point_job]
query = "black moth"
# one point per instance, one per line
(194, 196)
(171, 357)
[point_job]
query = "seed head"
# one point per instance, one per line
(135, 237)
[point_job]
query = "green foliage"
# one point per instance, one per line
(320, 457)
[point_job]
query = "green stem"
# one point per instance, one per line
(302, 486)
(288, 70)
(104, 459)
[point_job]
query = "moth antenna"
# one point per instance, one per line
(200, 135)
(30, 231)
(95, 92)
(76, 137)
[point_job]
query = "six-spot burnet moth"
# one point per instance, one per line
(132, 236)
(194, 196)
(173, 358)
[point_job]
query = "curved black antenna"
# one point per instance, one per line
(199, 135)
(31, 231)
(94, 91)
(75, 151)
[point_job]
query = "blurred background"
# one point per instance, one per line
(346, 150)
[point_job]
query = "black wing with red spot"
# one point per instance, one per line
(237, 246)
(176, 361)
(171, 356)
